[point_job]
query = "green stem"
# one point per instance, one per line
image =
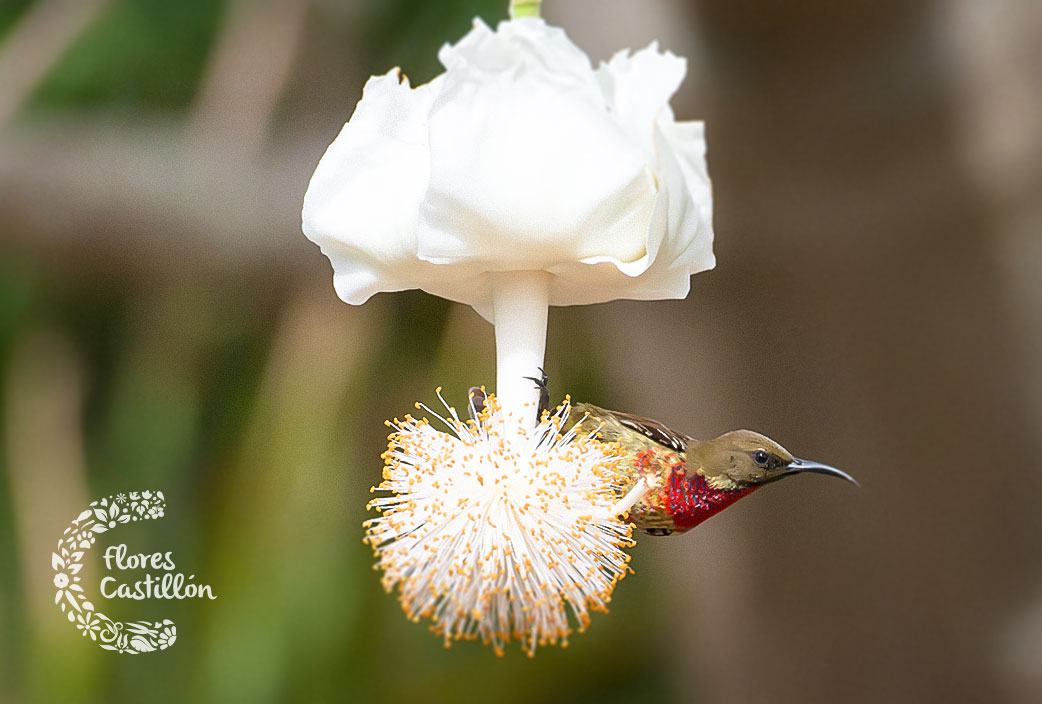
(524, 8)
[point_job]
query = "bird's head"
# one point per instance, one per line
(742, 458)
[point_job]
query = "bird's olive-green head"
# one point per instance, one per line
(742, 458)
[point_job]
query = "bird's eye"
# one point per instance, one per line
(760, 457)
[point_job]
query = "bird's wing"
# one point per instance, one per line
(652, 429)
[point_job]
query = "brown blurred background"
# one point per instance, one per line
(163, 324)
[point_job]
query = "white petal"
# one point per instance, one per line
(361, 204)
(485, 51)
(682, 156)
(529, 169)
(639, 87)
(680, 237)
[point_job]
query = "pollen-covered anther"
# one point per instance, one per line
(530, 546)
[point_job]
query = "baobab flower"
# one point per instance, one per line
(520, 178)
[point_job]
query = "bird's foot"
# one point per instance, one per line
(544, 391)
(476, 396)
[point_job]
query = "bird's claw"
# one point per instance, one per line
(544, 390)
(540, 381)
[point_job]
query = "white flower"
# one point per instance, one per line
(108, 515)
(66, 582)
(520, 157)
(520, 178)
(88, 624)
(68, 591)
(496, 532)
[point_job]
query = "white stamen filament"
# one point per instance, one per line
(500, 530)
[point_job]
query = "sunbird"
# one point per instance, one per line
(688, 480)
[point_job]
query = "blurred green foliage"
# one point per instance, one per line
(142, 54)
(10, 11)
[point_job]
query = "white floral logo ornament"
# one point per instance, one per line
(102, 516)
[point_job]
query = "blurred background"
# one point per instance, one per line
(877, 305)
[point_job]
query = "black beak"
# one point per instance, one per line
(800, 466)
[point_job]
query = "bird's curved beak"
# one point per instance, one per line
(798, 466)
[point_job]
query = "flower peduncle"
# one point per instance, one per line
(520, 301)
(524, 8)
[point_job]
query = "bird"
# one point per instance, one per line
(685, 481)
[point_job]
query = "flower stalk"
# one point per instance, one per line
(524, 8)
(520, 303)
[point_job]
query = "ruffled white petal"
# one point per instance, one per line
(528, 169)
(639, 87)
(525, 39)
(362, 203)
(682, 156)
(520, 157)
